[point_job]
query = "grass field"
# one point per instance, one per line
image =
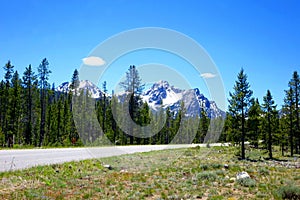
(195, 173)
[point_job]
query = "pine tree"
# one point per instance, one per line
(59, 121)
(2, 112)
(28, 83)
(231, 128)
(166, 132)
(73, 135)
(203, 127)
(204, 124)
(104, 106)
(239, 103)
(284, 128)
(289, 111)
(75, 80)
(43, 73)
(36, 112)
(269, 110)
(179, 134)
(15, 107)
(8, 68)
(254, 121)
(133, 87)
(294, 84)
(51, 117)
(66, 121)
(145, 121)
(113, 103)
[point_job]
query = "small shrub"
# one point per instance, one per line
(220, 172)
(263, 171)
(254, 154)
(203, 167)
(210, 176)
(210, 166)
(289, 192)
(216, 166)
(234, 167)
(238, 153)
(247, 182)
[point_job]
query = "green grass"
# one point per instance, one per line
(193, 173)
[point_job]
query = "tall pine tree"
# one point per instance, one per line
(133, 87)
(239, 103)
(289, 111)
(28, 83)
(294, 84)
(269, 108)
(15, 104)
(8, 68)
(254, 120)
(43, 73)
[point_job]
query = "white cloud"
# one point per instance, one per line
(208, 75)
(93, 61)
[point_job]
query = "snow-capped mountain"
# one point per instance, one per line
(86, 85)
(161, 94)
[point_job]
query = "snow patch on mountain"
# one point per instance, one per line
(85, 85)
(162, 95)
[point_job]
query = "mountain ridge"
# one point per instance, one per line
(161, 95)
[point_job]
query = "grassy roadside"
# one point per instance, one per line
(194, 173)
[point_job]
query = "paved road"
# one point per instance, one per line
(21, 159)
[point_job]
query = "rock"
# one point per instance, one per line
(242, 175)
(232, 179)
(108, 167)
(226, 166)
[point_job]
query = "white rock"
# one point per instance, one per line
(242, 175)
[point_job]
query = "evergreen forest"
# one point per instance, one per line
(34, 114)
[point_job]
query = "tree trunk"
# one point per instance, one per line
(297, 118)
(43, 116)
(269, 137)
(243, 134)
(291, 134)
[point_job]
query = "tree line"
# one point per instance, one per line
(146, 127)
(33, 113)
(263, 123)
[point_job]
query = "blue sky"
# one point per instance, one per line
(263, 37)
